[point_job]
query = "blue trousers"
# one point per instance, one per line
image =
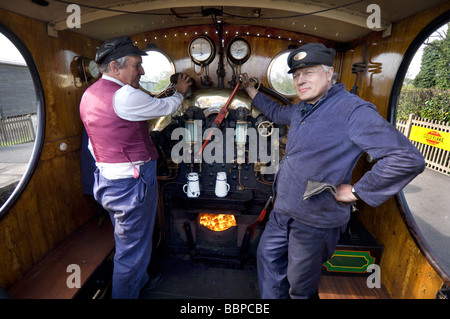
(132, 205)
(290, 257)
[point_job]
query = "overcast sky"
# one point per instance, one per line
(9, 52)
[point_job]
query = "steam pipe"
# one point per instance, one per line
(220, 67)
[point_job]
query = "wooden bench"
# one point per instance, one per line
(88, 247)
(349, 287)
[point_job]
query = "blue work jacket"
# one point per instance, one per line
(324, 146)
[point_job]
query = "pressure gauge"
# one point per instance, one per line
(238, 51)
(87, 68)
(202, 50)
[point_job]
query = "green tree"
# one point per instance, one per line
(435, 66)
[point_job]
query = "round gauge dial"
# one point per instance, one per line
(238, 51)
(202, 50)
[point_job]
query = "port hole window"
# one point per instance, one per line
(421, 112)
(21, 118)
(158, 67)
(279, 78)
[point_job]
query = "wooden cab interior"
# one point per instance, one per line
(48, 222)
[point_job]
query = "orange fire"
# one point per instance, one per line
(217, 222)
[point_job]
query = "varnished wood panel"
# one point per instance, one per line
(52, 205)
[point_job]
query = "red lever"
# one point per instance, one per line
(220, 117)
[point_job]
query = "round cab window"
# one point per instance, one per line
(22, 118)
(158, 68)
(421, 112)
(279, 78)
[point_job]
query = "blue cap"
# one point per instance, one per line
(310, 54)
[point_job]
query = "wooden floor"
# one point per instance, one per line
(349, 287)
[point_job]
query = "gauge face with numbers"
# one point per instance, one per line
(201, 50)
(238, 50)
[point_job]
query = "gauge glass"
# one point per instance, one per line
(239, 49)
(200, 49)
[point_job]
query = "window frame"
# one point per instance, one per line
(169, 59)
(400, 198)
(269, 70)
(40, 113)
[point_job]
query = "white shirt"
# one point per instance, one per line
(135, 105)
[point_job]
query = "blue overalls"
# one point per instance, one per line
(132, 204)
(324, 146)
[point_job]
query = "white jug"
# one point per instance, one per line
(192, 188)
(222, 187)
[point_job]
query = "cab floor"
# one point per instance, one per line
(186, 279)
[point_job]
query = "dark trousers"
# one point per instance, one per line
(132, 204)
(290, 257)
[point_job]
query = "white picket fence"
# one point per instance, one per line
(436, 158)
(17, 129)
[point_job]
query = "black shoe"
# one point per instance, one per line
(154, 282)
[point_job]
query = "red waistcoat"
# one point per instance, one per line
(113, 139)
